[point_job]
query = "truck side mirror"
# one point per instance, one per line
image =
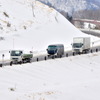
(9, 51)
(47, 49)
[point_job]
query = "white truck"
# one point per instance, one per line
(81, 44)
(18, 56)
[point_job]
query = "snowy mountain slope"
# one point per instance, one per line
(20, 15)
(35, 33)
(71, 6)
(71, 78)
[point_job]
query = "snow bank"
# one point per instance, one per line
(57, 79)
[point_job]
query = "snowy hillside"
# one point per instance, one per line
(71, 6)
(33, 26)
(33, 29)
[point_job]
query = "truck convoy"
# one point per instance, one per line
(81, 44)
(17, 56)
(55, 50)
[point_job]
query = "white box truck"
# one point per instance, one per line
(81, 44)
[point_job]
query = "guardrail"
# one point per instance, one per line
(88, 21)
(45, 57)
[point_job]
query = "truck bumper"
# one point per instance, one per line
(77, 50)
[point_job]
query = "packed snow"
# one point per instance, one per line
(72, 78)
(31, 26)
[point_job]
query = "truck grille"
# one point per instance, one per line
(77, 50)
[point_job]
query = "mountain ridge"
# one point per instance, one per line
(71, 6)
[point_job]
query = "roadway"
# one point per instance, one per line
(90, 32)
(66, 54)
(45, 57)
(97, 22)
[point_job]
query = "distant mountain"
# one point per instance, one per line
(71, 6)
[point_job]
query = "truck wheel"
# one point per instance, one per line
(73, 54)
(0, 65)
(60, 56)
(30, 61)
(23, 61)
(11, 63)
(53, 57)
(79, 53)
(86, 51)
(20, 62)
(45, 58)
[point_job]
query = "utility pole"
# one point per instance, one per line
(2, 59)
(13, 43)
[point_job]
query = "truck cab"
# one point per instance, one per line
(52, 49)
(16, 56)
(77, 47)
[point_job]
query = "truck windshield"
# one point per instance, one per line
(77, 45)
(16, 53)
(52, 47)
